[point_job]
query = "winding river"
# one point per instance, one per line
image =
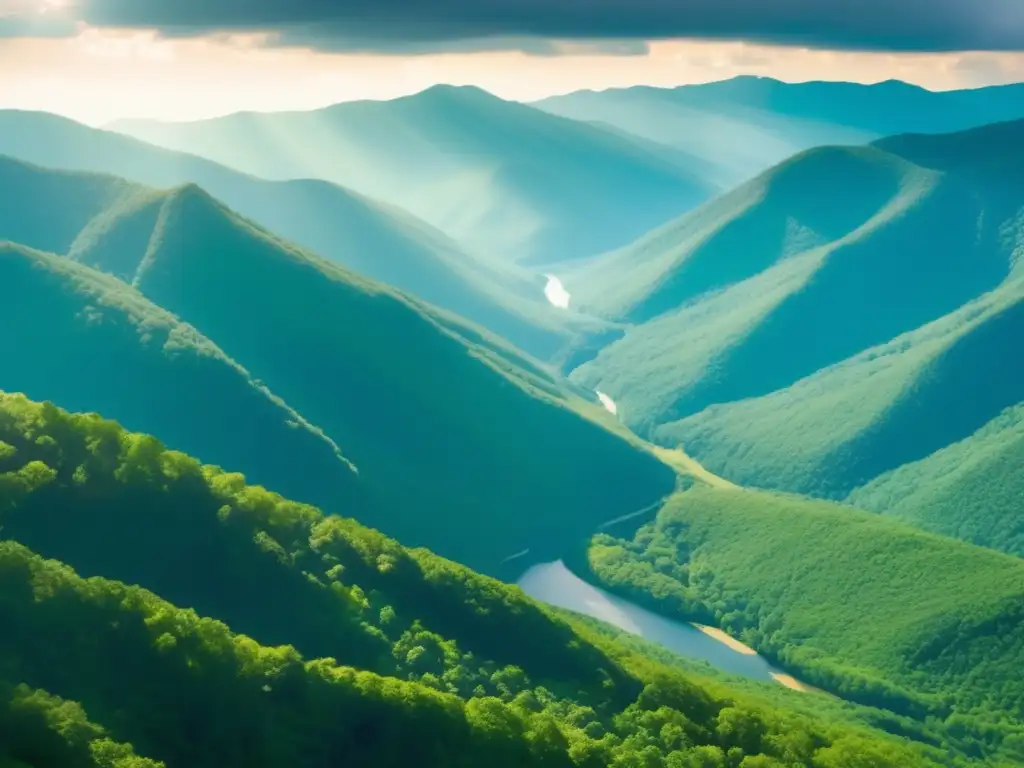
(554, 584)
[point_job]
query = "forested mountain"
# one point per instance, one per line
(865, 607)
(792, 342)
(498, 176)
(972, 490)
(374, 239)
(441, 420)
(90, 342)
(728, 131)
(425, 663)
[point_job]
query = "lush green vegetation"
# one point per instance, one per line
(791, 343)
(435, 414)
(414, 396)
(890, 405)
(881, 614)
(423, 661)
(75, 212)
(91, 343)
(972, 490)
(38, 729)
(501, 177)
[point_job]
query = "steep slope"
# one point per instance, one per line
(376, 240)
(890, 405)
(734, 129)
(89, 342)
(498, 176)
(774, 282)
(451, 668)
(865, 607)
(972, 490)
(466, 445)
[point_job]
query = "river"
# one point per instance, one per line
(556, 293)
(554, 584)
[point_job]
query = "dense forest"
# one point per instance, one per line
(369, 377)
(353, 645)
(972, 490)
(866, 608)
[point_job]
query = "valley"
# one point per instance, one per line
(634, 428)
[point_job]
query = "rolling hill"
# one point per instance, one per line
(431, 663)
(865, 607)
(971, 490)
(372, 238)
(732, 130)
(461, 442)
(92, 343)
(500, 177)
(778, 294)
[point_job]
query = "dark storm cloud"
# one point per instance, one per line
(411, 25)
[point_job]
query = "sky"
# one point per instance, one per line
(102, 60)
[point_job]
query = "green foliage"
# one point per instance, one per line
(791, 343)
(91, 343)
(972, 490)
(413, 396)
(40, 730)
(422, 662)
(876, 612)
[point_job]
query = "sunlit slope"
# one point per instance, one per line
(467, 445)
(863, 606)
(498, 176)
(369, 237)
(731, 130)
(890, 405)
(89, 342)
(972, 490)
(425, 662)
(778, 280)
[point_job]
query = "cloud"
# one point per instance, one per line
(618, 26)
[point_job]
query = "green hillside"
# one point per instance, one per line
(972, 490)
(374, 239)
(890, 405)
(91, 343)
(430, 663)
(859, 605)
(463, 444)
(500, 177)
(731, 130)
(775, 282)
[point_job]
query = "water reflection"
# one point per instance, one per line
(554, 584)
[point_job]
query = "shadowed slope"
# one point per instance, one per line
(417, 398)
(87, 341)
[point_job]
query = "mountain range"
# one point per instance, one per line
(364, 235)
(726, 132)
(796, 342)
(376, 376)
(288, 400)
(500, 177)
